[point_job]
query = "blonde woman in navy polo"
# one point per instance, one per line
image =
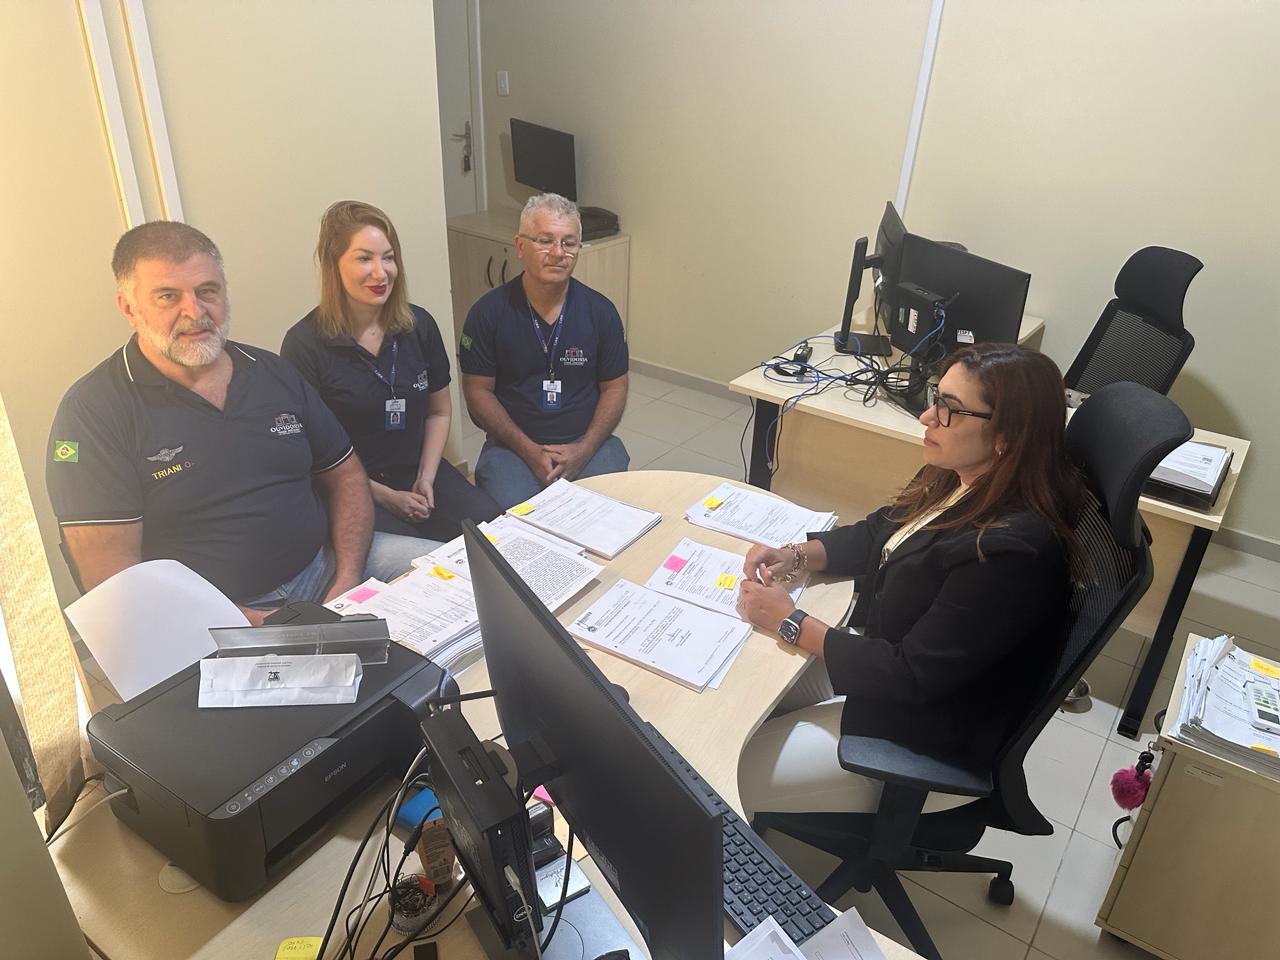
(379, 363)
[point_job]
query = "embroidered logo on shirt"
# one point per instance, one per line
(574, 357)
(286, 425)
(66, 451)
(421, 382)
(165, 454)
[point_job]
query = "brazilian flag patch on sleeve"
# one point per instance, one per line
(465, 342)
(66, 451)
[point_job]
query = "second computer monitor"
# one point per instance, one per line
(652, 833)
(986, 299)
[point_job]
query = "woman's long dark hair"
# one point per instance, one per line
(1025, 392)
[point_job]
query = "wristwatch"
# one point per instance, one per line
(789, 629)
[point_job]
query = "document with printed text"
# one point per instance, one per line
(677, 640)
(706, 576)
(756, 516)
(601, 524)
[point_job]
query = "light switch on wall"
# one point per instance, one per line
(504, 83)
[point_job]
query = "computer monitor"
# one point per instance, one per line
(983, 299)
(543, 158)
(884, 264)
(652, 833)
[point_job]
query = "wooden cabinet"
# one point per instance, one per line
(1195, 880)
(482, 256)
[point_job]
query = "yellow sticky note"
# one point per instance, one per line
(441, 572)
(1267, 669)
(521, 509)
(727, 581)
(1261, 749)
(712, 502)
(299, 948)
(491, 538)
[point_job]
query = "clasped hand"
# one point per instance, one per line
(552, 461)
(763, 601)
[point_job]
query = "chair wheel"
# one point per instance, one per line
(1000, 891)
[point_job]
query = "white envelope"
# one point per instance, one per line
(276, 681)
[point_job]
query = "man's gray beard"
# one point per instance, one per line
(197, 353)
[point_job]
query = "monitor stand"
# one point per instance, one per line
(588, 929)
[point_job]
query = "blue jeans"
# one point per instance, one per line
(389, 556)
(504, 476)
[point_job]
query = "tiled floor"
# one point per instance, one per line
(1059, 880)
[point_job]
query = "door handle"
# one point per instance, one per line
(488, 275)
(503, 275)
(465, 137)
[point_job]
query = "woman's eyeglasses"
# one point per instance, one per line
(944, 409)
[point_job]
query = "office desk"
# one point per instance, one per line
(110, 873)
(836, 453)
(1195, 880)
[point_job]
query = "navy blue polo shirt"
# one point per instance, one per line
(500, 340)
(343, 373)
(228, 493)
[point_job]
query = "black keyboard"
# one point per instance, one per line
(757, 884)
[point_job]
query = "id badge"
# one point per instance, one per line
(395, 414)
(550, 394)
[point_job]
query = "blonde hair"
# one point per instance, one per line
(338, 225)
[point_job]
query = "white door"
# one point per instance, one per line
(457, 47)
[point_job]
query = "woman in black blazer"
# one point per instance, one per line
(962, 588)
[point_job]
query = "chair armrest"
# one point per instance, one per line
(888, 762)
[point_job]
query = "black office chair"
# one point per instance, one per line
(1140, 336)
(1117, 437)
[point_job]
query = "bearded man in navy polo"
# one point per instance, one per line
(188, 446)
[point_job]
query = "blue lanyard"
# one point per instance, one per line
(395, 346)
(549, 353)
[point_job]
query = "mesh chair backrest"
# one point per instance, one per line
(1129, 346)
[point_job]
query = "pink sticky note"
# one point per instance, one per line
(361, 594)
(675, 564)
(541, 794)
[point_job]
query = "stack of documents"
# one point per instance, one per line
(845, 938)
(1215, 714)
(677, 640)
(554, 569)
(1191, 475)
(601, 524)
(756, 516)
(430, 613)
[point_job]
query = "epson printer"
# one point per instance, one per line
(230, 794)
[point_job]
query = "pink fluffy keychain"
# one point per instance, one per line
(1129, 786)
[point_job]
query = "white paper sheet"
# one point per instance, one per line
(755, 516)
(601, 524)
(554, 569)
(675, 639)
(705, 576)
(149, 621)
(844, 938)
(276, 681)
(767, 941)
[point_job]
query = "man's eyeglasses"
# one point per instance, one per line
(943, 408)
(569, 246)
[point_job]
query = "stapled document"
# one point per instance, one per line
(279, 681)
(706, 576)
(756, 516)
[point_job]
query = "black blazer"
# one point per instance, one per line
(955, 643)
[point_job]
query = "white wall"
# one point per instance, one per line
(745, 144)
(744, 147)
(1063, 137)
(274, 111)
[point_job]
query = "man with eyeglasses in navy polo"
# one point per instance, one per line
(544, 365)
(187, 446)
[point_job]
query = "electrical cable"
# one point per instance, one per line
(420, 933)
(564, 891)
(76, 799)
(512, 879)
(71, 826)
